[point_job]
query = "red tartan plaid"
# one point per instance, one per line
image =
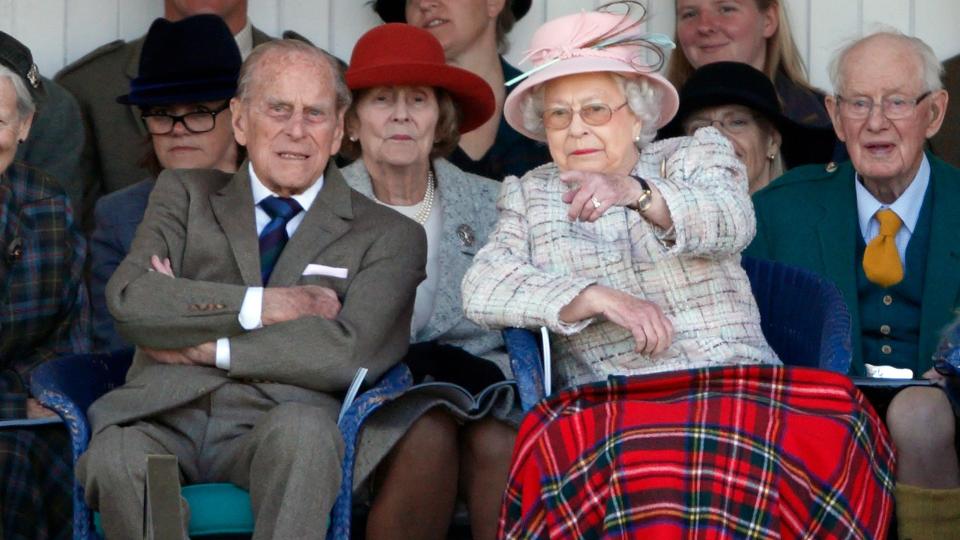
(731, 452)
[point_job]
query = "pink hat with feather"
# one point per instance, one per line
(591, 42)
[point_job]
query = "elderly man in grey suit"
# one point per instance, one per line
(238, 380)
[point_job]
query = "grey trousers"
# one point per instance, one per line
(286, 455)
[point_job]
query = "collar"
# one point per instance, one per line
(907, 206)
(260, 192)
(244, 39)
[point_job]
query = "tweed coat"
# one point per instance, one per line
(808, 218)
(946, 143)
(115, 139)
(43, 303)
(203, 220)
(116, 217)
(468, 203)
(538, 261)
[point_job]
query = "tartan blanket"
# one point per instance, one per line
(729, 452)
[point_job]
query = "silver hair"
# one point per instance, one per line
(932, 68)
(250, 67)
(643, 99)
(25, 104)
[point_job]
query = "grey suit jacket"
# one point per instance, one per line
(469, 206)
(203, 220)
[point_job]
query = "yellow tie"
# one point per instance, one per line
(881, 262)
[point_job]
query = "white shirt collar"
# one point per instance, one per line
(261, 192)
(244, 39)
(907, 206)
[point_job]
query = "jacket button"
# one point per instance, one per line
(885, 329)
(886, 349)
(887, 299)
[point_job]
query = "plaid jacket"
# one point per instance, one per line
(43, 304)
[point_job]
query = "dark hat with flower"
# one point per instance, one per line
(16, 56)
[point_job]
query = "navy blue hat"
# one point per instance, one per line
(192, 60)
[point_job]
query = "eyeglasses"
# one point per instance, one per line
(734, 123)
(594, 114)
(893, 107)
(195, 121)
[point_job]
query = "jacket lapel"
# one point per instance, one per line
(233, 208)
(325, 222)
(456, 238)
(941, 283)
(837, 230)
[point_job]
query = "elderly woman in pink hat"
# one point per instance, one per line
(629, 252)
(408, 112)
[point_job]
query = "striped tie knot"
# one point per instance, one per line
(280, 207)
(274, 237)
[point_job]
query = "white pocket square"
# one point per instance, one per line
(322, 270)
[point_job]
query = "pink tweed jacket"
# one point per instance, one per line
(537, 261)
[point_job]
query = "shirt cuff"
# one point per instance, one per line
(251, 309)
(223, 354)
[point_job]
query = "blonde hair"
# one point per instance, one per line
(782, 54)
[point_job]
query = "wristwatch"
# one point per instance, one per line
(646, 198)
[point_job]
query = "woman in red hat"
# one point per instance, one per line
(408, 113)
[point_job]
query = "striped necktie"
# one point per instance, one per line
(274, 236)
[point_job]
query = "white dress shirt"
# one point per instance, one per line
(907, 207)
(252, 306)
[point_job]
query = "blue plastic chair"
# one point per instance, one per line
(803, 316)
(69, 385)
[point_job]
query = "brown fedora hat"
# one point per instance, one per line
(397, 54)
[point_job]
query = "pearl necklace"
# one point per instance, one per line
(426, 205)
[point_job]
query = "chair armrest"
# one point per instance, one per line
(391, 385)
(527, 365)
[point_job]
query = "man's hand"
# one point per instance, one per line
(36, 410)
(204, 354)
(163, 266)
(281, 304)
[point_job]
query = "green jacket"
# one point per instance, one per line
(808, 218)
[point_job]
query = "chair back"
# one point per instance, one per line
(83, 377)
(803, 316)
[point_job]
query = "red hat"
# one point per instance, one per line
(397, 54)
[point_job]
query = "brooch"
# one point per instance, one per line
(34, 76)
(465, 234)
(14, 250)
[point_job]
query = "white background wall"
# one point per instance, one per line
(60, 31)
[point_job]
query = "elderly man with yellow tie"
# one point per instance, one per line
(885, 227)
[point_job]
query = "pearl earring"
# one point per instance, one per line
(353, 138)
(772, 156)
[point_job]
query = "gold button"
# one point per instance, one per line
(885, 329)
(887, 299)
(886, 349)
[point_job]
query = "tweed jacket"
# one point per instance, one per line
(43, 303)
(468, 204)
(808, 218)
(203, 220)
(116, 218)
(538, 261)
(946, 143)
(115, 139)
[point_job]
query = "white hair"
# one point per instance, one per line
(931, 66)
(643, 99)
(25, 104)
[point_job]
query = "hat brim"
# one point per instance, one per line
(145, 94)
(472, 94)
(395, 10)
(513, 106)
(801, 144)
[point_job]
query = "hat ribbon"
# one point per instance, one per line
(552, 55)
